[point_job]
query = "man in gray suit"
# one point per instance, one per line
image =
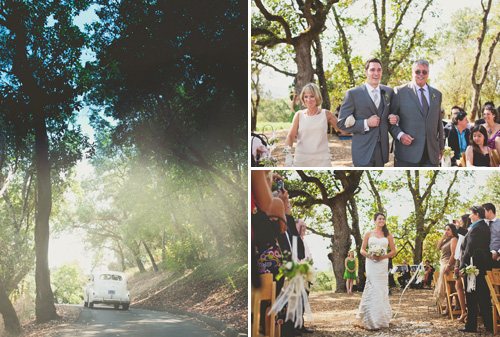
(494, 223)
(420, 129)
(365, 113)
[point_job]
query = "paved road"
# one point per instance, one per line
(105, 321)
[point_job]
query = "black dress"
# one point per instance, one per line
(481, 159)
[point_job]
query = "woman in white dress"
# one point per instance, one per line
(310, 125)
(375, 311)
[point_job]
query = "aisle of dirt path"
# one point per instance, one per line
(335, 315)
(340, 150)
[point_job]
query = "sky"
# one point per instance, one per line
(278, 84)
(69, 248)
(319, 245)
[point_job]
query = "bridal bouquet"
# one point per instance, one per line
(294, 290)
(376, 250)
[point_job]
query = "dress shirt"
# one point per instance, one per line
(371, 92)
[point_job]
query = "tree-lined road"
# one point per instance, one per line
(105, 321)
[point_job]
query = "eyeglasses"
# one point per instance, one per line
(424, 72)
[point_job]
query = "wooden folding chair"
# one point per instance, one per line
(493, 280)
(434, 279)
(451, 293)
(494, 157)
(463, 160)
(266, 292)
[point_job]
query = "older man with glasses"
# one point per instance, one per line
(419, 132)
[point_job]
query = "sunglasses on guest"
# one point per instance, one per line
(424, 72)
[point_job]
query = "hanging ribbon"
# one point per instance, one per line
(294, 293)
(420, 267)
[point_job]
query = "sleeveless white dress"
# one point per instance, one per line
(375, 311)
(312, 141)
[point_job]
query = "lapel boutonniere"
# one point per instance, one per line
(433, 96)
(386, 97)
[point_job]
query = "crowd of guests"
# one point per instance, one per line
(273, 229)
(475, 140)
(474, 239)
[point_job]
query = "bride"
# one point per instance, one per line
(374, 310)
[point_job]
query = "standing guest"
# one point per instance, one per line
(492, 127)
(405, 274)
(447, 246)
(461, 226)
(458, 136)
(476, 245)
(350, 271)
(365, 112)
(419, 132)
(310, 126)
(478, 152)
(494, 223)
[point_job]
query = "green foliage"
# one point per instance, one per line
(68, 284)
(274, 110)
(324, 281)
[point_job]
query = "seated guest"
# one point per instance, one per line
(458, 136)
(494, 223)
(478, 152)
(429, 273)
(492, 127)
(454, 110)
(405, 274)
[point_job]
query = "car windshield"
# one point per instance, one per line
(110, 277)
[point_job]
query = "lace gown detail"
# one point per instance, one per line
(375, 311)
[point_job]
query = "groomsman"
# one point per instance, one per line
(494, 223)
(476, 245)
(419, 132)
(365, 111)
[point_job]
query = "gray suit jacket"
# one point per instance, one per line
(357, 102)
(495, 235)
(412, 121)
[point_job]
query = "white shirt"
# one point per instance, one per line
(371, 92)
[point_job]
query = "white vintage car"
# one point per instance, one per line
(108, 287)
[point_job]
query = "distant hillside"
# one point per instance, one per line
(218, 289)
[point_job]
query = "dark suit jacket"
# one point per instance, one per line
(477, 245)
(292, 231)
(455, 144)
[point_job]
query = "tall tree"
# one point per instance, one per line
(41, 50)
(477, 84)
(279, 23)
(334, 190)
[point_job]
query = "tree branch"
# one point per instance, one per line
(275, 68)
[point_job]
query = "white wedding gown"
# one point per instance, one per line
(375, 310)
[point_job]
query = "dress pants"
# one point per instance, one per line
(480, 296)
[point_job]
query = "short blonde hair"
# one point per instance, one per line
(313, 89)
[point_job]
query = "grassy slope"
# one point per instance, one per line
(216, 288)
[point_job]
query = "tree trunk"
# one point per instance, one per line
(137, 256)
(305, 71)
(320, 72)
(10, 319)
(153, 263)
(45, 308)
(341, 242)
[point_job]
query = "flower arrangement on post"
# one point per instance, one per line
(471, 272)
(266, 158)
(448, 153)
(294, 290)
